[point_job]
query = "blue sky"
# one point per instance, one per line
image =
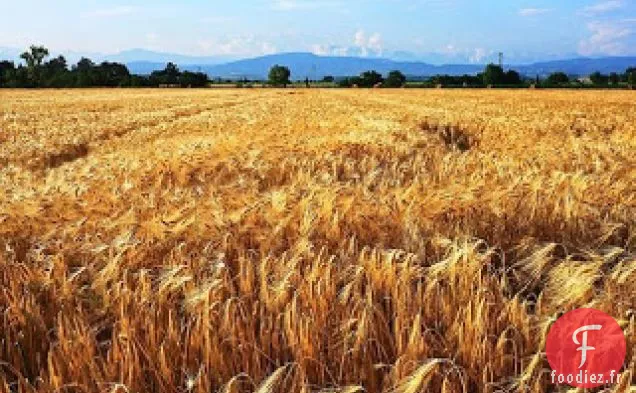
(434, 30)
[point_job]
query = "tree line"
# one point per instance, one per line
(56, 73)
(493, 75)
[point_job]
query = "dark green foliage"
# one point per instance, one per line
(279, 76)
(512, 77)
(370, 79)
(395, 79)
(56, 73)
(19, 77)
(33, 59)
(366, 79)
(613, 78)
(34, 56)
(463, 80)
(494, 75)
(558, 78)
(345, 82)
(328, 79)
(84, 73)
(193, 79)
(7, 71)
(599, 79)
(138, 81)
(111, 75)
(169, 76)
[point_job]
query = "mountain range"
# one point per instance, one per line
(315, 67)
(303, 65)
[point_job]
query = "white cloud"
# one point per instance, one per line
(603, 7)
(359, 38)
(607, 38)
(375, 42)
(371, 45)
(533, 11)
(478, 55)
(450, 49)
(321, 50)
(245, 45)
(268, 48)
(121, 10)
(363, 45)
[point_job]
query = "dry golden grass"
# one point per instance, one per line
(308, 241)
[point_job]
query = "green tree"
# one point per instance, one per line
(85, 74)
(55, 73)
(613, 78)
(34, 58)
(7, 70)
(112, 74)
(57, 64)
(168, 76)
(599, 79)
(558, 78)
(631, 78)
(395, 79)
(512, 78)
(172, 73)
(345, 82)
(193, 79)
(370, 79)
(84, 65)
(138, 81)
(494, 75)
(279, 76)
(328, 79)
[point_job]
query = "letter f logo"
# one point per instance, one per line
(583, 346)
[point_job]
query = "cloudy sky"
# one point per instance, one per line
(434, 30)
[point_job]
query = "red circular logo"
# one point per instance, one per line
(586, 348)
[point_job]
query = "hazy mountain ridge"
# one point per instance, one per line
(308, 65)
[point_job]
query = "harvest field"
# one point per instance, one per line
(309, 240)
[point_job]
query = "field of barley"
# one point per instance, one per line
(309, 240)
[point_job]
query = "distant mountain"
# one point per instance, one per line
(309, 65)
(580, 66)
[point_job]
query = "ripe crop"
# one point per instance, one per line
(309, 241)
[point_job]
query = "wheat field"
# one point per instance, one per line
(309, 240)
